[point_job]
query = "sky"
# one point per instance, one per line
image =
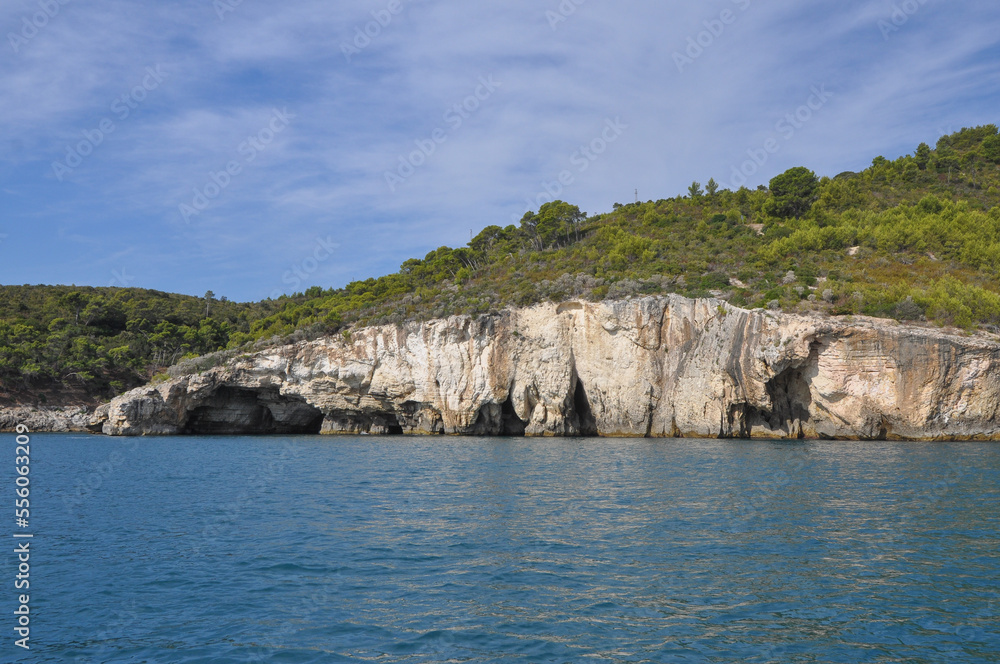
(260, 147)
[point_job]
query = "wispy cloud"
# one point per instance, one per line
(326, 174)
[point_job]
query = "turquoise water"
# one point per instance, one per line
(366, 549)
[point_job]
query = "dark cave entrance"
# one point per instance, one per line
(790, 400)
(392, 425)
(511, 424)
(237, 410)
(583, 414)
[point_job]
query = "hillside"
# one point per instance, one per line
(80, 344)
(917, 238)
(926, 228)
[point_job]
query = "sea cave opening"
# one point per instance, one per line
(238, 410)
(511, 424)
(392, 425)
(586, 423)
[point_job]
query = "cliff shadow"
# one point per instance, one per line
(582, 415)
(790, 401)
(510, 423)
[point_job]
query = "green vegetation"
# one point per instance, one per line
(917, 238)
(792, 193)
(106, 340)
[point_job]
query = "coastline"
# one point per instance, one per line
(655, 367)
(46, 419)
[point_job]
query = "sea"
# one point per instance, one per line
(439, 549)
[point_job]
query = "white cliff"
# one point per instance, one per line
(665, 366)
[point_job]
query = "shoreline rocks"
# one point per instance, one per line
(45, 419)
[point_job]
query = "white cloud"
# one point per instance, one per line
(326, 173)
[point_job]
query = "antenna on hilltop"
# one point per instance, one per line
(636, 195)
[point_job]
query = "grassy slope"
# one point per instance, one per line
(914, 238)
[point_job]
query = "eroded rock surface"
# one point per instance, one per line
(650, 367)
(56, 418)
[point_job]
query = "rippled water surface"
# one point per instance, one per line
(366, 549)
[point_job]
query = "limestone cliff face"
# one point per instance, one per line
(652, 367)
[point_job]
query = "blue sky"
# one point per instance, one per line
(348, 152)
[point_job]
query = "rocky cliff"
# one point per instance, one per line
(58, 407)
(651, 367)
(54, 418)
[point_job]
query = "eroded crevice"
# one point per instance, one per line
(791, 399)
(880, 430)
(416, 416)
(741, 418)
(510, 423)
(582, 415)
(650, 409)
(482, 425)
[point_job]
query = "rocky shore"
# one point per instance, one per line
(658, 366)
(55, 419)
